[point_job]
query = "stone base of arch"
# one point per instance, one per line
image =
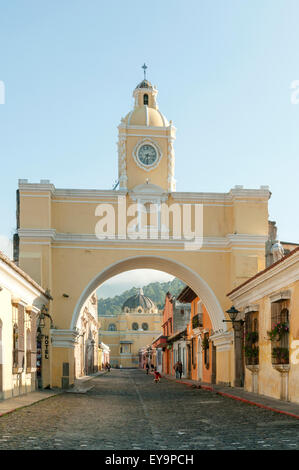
(63, 357)
(224, 356)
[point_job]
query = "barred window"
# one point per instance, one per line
(21, 332)
(193, 346)
(134, 326)
(15, 345)
(207, 350)
(251, 346)
(112, 327)
(280, 322)
(28, 350)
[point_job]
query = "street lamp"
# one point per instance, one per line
(233, 313)
(238, 342)
(44, 313)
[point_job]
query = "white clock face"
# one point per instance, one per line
(147, 155)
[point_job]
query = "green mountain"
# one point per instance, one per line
(155, 291)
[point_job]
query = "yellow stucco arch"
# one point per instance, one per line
(175, 268)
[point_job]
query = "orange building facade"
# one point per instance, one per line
(202, 363)
(186, 337)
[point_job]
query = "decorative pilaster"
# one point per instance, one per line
(284, 377)
(254, 369)
(170, 164)
(122, 165)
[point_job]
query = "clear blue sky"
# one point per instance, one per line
(223, 69)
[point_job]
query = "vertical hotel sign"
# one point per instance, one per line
(46, 347)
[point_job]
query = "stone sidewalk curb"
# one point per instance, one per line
(25, 405)
(81, 381)
(209, 388)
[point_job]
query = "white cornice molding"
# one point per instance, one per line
(223, 340)
(56, 192)
(230, 241)
(231, 196)
(36, 187)
(124, 126)
(283, 295)
(251, 308)
(63, 338)
(246, 239)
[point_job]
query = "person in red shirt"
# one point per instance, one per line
(157, 375)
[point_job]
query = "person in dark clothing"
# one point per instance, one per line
(180, 368)
(147, 368)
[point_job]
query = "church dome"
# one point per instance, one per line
(146, 116)
(144, 84)
(146, 111)
(139, 300)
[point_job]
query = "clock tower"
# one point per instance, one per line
(145, 143)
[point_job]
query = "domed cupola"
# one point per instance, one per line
(146, 111)
(139, 302)
(145, 84)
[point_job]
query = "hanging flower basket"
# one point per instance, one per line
(281, 355)
(251, 352)
(277, 331)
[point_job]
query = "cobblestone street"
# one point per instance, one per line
(127, 410)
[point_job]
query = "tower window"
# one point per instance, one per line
(145, 99)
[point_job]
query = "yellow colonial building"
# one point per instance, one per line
(268, 304)
(72, 240)
(136, 326)
(22, 316)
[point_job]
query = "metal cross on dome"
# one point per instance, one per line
(144, 67)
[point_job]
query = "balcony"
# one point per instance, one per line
(197, 321)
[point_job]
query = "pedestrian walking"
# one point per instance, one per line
(176, 368)
(180, 369)
(157, 376)
(147, 368)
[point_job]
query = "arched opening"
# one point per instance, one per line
(111, 327)
(145, 99)
(175, 268)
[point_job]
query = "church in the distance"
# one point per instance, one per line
(138, 324)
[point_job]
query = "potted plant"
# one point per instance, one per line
(252, 354)
(281, 355)
(277, 331)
